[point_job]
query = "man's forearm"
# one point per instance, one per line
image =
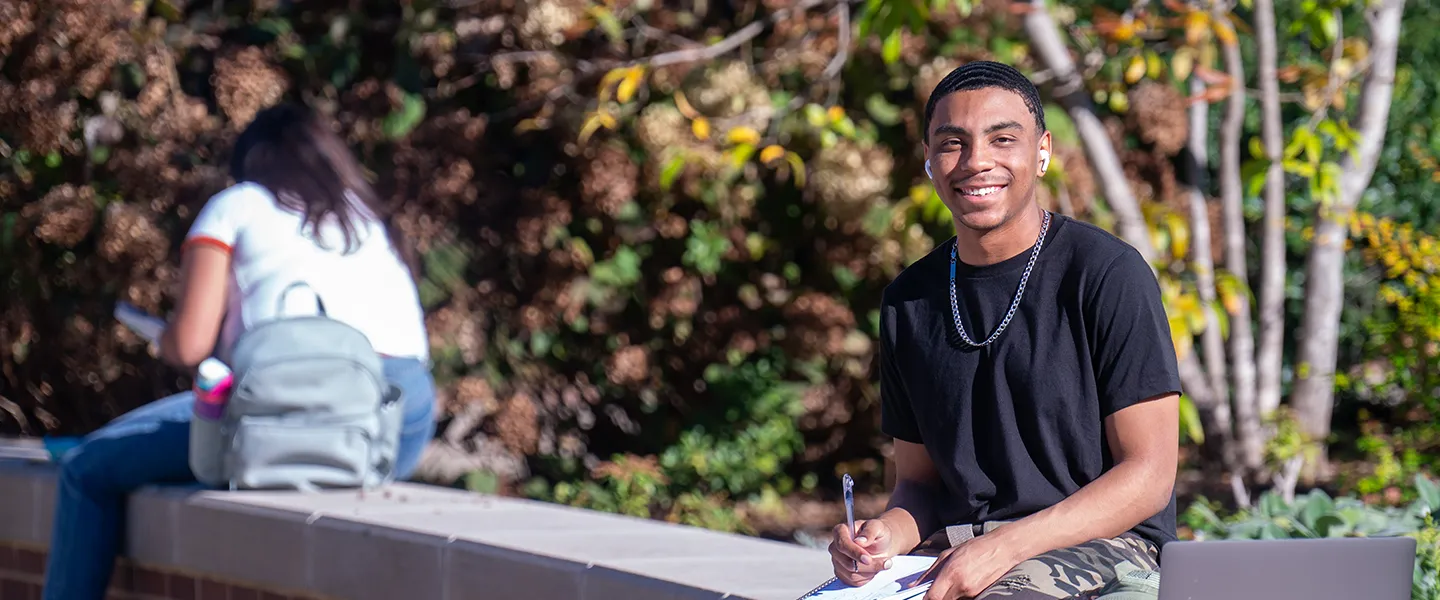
(911, 514)
(1111, 505)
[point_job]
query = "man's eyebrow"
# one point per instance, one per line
(961, 131)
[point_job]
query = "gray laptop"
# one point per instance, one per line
(1377, 568)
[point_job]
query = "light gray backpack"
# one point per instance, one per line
(309, 408)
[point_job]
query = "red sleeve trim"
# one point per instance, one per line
(207, 241)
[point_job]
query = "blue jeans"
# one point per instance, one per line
(151, 445)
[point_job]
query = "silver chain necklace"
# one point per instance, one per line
(1015, 304)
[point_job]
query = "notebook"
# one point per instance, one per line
(889, 584)
(149, 327)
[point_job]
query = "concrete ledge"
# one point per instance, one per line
(407, 541)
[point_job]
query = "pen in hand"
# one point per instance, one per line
(847, 485)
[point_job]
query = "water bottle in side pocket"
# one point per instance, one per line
(212, 390)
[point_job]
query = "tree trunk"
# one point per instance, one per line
(1324, 286)
(1248, 428)
(1212, 345)
(1270, 357)
(1050, 47)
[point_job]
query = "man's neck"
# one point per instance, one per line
(983, 248)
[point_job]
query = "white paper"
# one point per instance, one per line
(889, 584)
(144, 324)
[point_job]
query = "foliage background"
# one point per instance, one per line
(651, 256)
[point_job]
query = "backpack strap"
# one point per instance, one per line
(280, 303)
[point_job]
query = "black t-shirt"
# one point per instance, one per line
(1018, 426)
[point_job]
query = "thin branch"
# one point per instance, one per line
(731, 42)
(704, 53)
(1047, 42)
(655, 32)
(842, 50)
(1333, 81)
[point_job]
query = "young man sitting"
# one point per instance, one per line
(1027, 375)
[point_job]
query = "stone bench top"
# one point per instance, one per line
(419, 541)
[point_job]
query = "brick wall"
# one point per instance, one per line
(405, 542)
(22, 570)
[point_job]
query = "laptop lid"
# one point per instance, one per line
(1378, 568)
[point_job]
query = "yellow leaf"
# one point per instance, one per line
(798, 165)
(1196, 26)
(1181, 337)
(1119, 102)
(743, 135)
(835, 114)
(1182, 63)
(1135, 71)
(701, 128)
(771, 153)
(1179, 236)
(1224, 32)
(611, 77)
(629, 84)
(684, 106)
(593, 123)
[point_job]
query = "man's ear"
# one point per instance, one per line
(1045, 152)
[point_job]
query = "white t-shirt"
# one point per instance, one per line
(271, 247)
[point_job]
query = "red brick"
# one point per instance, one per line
(273, 596)
(244, 593)
(149, 581)
(30, 561)
(36, 591)
(120, 577)
(182, 587)
(11, 588)
(7, 558)
(213, 590)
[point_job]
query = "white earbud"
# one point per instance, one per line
(1044, 161)
(927, 170)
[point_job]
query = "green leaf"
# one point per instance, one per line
(1254, 173)
(740, 154)
(401, 122)
(609, 24)
(1316, 506)
(1428, 492)
(1314, 146)
(1329, 526)
(1061, 127)
(1271, 531)
(882, 110)
(872, 11)
(1190, 421)
(1298, 142)
(891, 50)
(1303, 169)
(671, 170)
(1272, 505)
(1329, 26)
(815, 115)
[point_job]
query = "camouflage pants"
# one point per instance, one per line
(1122, 568)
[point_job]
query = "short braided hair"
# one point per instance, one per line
(986, 74)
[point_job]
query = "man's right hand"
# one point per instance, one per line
(858, 558)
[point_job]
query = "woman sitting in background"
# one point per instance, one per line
(300, 211)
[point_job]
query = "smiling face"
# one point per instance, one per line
(984, 151)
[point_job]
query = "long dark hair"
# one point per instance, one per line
(309, 169)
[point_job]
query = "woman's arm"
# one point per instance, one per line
(194, 328)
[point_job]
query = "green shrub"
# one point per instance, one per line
(1317, 515)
